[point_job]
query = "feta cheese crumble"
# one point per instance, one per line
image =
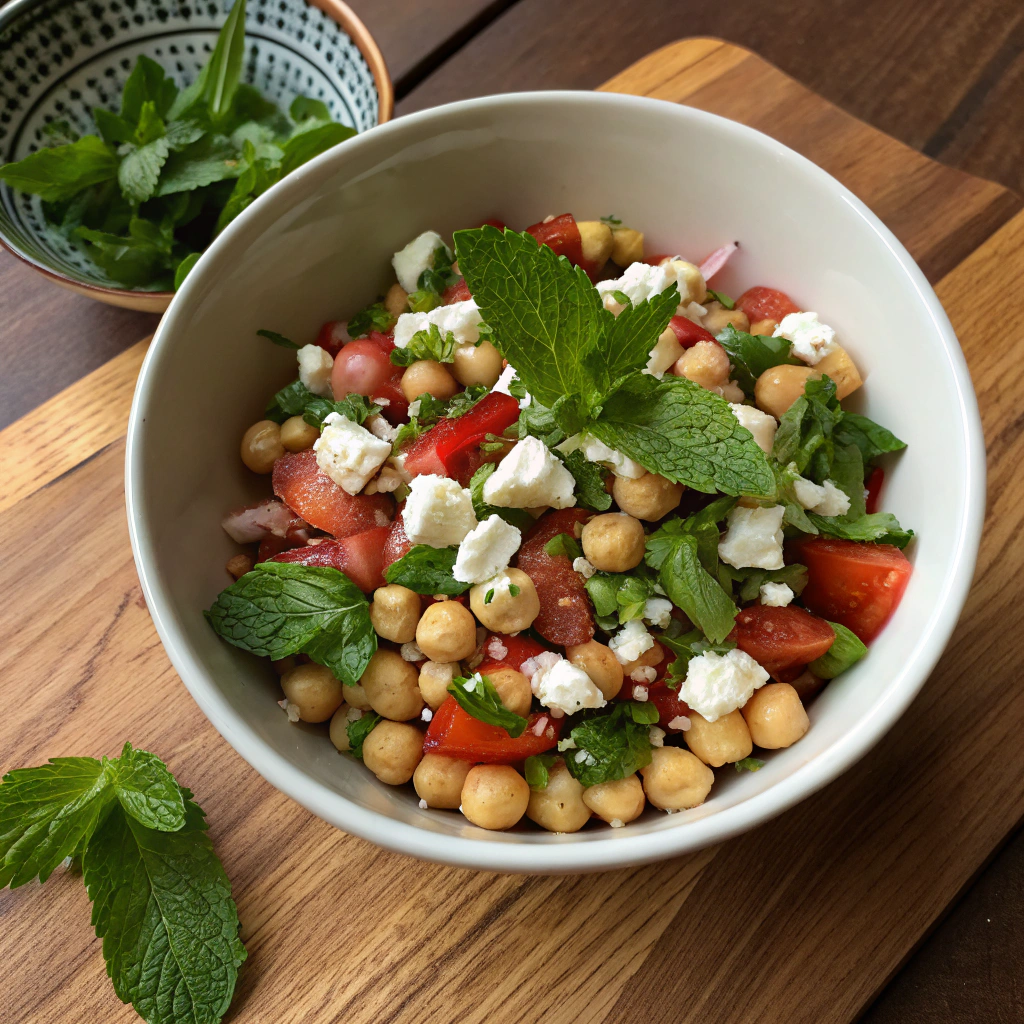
(658, 612)
(716, 684)
(657, 736)
(412, 652)
(680, 722)
(486, 550)
(563, 687)
(348, 453)
(426, 715)
(641, 281)
(811, 339)
(416, 257)
(753, 538)
(530, 476)
(644, 674)
(290, 709)
(438, 512)
(760, 424)
(315, 365)
(597, 451)
(776, 595)
(423, 805)
(630, 642)
(501, 386)
(825, 499)
(462, 319)
(640, 693)
(665, 352)
(584, 567)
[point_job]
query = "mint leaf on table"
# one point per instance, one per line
(358, 730)
(589, 476)
(846, 650)
(147, 790)
(478, 697)
(61, 172)
(612, 746)
(517, 517)
(281, 608)
(871, 438)
(752, 354)
(675, 428)
(373, 318)
(427, 570)
(162, 905)
(426, 344)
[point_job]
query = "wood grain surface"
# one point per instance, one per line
(801, 920)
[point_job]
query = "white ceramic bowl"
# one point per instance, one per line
(318, 246)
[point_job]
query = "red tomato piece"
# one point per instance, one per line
(566, 614)
(562, 234)
(394, 404)
(271, 546)
(873, 485)
(384, 341)
(360, 557)
(457, 292)
(688, 333)
(333, 335)
(397, 542)
(668, 702)
(766, 304)
(360, 368)
(492, 222)
(856, 584)
(781, 638)
(517, 650)
(307, 490)
(455, 733)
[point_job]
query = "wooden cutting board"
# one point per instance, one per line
(802, 920)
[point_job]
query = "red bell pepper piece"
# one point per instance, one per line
(517, 650)
(688, 333)
(562, 234)
(455, 733)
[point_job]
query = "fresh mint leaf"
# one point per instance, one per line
(358, 730)
(59, 133)
(427, 570)
(184, 267)
(563, 544)
(112, 127)
(538, 421)
(611, 746)
(162, 906)
(846, 650)
(545, 314)
(478, 697)
(311, 140)
(589, 476)
(702, 525)
(357, 408)
(752, 580)
(752, 354)
(878, 527)
(423, 301)
(150, 126)
(281, 608)
(140, 169)
(205, 162)
(870, 438)
(59, 173)
(147, 83)
(426, 344)
(438, 276)
(373, 318)
(303, 108)
(147, 790)
(180, 134)
(462, 401)
(675, 428)
(622, 595)
(722, 298)
(46, 813)
(141, 259)
(536, 768)
(291, 400)
(224, 68)
(749, 764)
(805, 430)
(611, 221)
(277, 339)
(517, 517)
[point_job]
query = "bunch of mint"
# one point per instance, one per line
(172, 169)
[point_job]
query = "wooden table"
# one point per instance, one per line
(444, 50)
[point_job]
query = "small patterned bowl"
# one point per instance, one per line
(61, 58)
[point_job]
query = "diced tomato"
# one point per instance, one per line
(566, 614)
(766, 304)
(455, 733)
(333, 335)
(304, 487)
(385, 341)
(781, 638)
(360, 557)
(688, 333)
(394, 404)
(397, 542)
(457, 292)
(447, 448)
(562, 234)
(856, 584)
(271, 546)
(873, 486)
(668, 702)
(360, 368)
(517, 650)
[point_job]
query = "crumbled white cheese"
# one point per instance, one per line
(426, 715)
(414, 408)
(644, 674)
(460, 318)
(486, 550)
(658, 612)
(564, 687)
(501, 386)
(597, 451)
(416, 257)
(528, 477)
(348, 453)
(640, 693)
(680, 722)
(584, 567)
(379, 427)
(353, 715)
(438, 511)
(616, 823)
(776, 595)
(656, 736)
(754, 538)
(630, 642)
(423, 805)
(664, 354)
(411, 652)
(496, 649)
(315, 366)
(641, 281)
(760, 424)
(811, 339)
(542, 661)
(716, 684)
(825, 499)
(290, 709)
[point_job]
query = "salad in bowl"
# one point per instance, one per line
(554, 530)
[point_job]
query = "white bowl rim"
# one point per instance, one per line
(620, 849)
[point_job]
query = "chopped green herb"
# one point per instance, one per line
(846, 650)
(426, 344)
(722, 298)
(373, 318)
(536, 768)
(611, 221)
(427, 570)
(513, 590)
(563, 544)
(489, 596)
(686, 647)
(590, 489)
(752, 354)
(478, 697)
(622, 298)
(358, 730)
(749, 764)
(277, 339)
(612, 745)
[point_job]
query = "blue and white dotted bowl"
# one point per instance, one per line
(61, 58)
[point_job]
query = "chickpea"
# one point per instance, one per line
(627, 246)
(427, 377)
(339, 728)
(649, 497)
(261, 446)
(778, 388)
(394, 613)
(614, 542)
(313, 690)
(706, 364)
(600, 664)
(477, 364)
(494, 796)
(775, 716)
(764, 326)
(439, 780)
(513, 689)
(652, 657)
(621, 800)
(392, 750)
(559, 807)
(396, 302)
(597, 240)
(718, 318)
(391, 685)
(723, 741)
(841, 368)
(434, 679)
(675, 780)
(446, 632)
(355, 697)
(506, 613)
(692, 287)
(239, 565)
(297, 435)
